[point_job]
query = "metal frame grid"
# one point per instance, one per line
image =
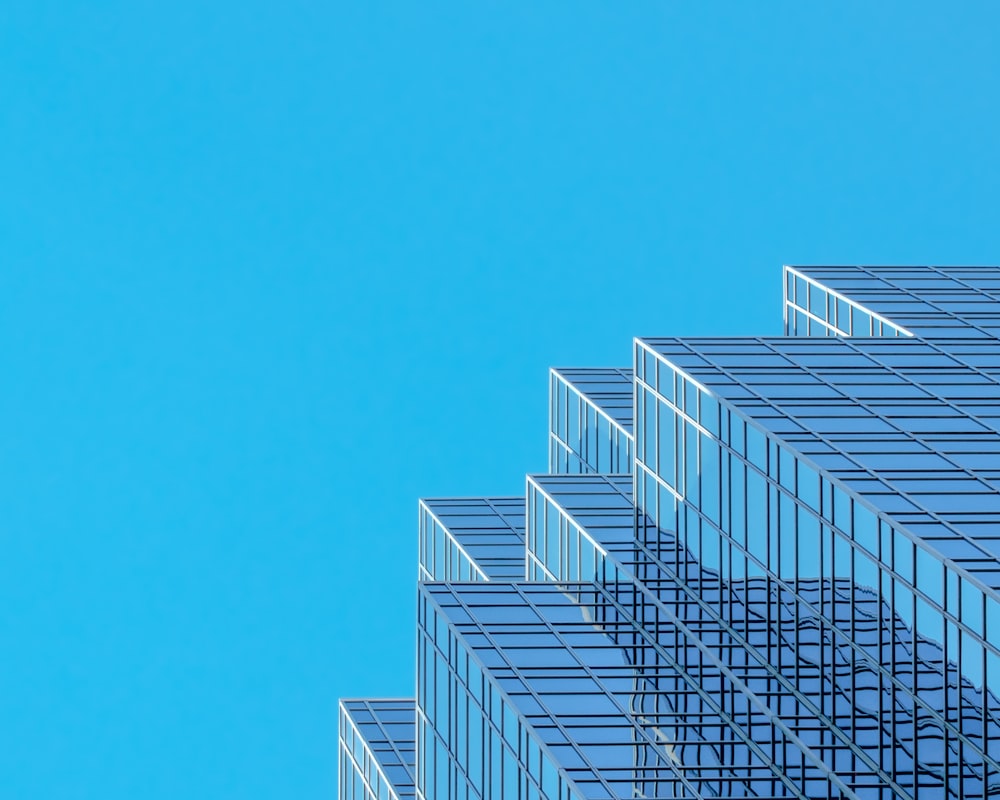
(377, 749)
(790, 588)
(472, 741)
(590, 420)
(470, 539)
(728, 478)
(867, 429)
(814, 309)
(930, 302)
(813, 680)
(572, 547)
(628, 699)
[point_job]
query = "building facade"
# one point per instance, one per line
(758, 567)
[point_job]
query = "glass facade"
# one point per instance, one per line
(377, 749)
(590, 420)
(758, 567)
(471, 539)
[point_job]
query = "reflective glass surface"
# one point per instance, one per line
(590, 420)
(758, 567)
(377, 749)
(930, 302)
(471, 539)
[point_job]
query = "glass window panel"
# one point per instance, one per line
(865, 573)
(902, 553)
(648, 425)
(817, 301)
(930, 576)
(843, 315)
(841, 557)
(691, 397)
(757, 514)
(710, 490)
(992, 622)
(737, 499)
(826, 553)
(801, 292)
(756, 448)
(709, 416)
(865, 528)
(667, 443)
(737, 434)
(972, 658)
(808, 543)
(972, 607)
(786, 469)
(903, 602)
(930, 624)
(807, 485)
(993, 671)
(690, 455)
(842, 510)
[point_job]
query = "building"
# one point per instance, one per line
(759, 567)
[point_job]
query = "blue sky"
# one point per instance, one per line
(272, 271)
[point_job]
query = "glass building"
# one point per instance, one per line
(758, 567)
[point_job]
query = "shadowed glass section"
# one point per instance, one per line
(472, 539)
(627, 699)
(473, 739)
(759, 567)
(748, 502)
(590, 420)
(377, 749)
(819, 649)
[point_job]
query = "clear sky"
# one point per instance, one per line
(270, 271)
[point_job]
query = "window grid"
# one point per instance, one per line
(376, 746)
(590, 420)
(930, 302)
(812, 309)
(767, 557)
(672, 577)
(631, 759)
(471, 539)
(758, 567)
